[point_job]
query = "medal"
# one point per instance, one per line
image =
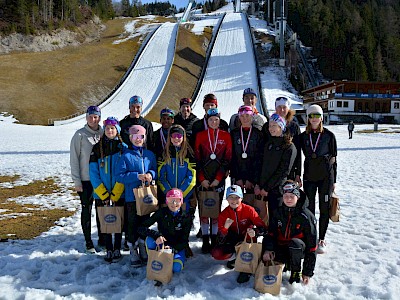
(213, 147)
(314, 148)
(244, 146)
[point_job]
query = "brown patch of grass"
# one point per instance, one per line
(26, 221)
(370, 131)
(189, 59)
(37, 86)
(7, 178)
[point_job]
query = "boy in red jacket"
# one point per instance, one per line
(233, 223)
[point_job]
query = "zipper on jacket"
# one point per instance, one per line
(287, 231)
(237, 222)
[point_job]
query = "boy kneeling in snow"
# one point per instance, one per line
(174, 226)
(292, 234)
(233, 223)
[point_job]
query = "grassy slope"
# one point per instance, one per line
(37, 86)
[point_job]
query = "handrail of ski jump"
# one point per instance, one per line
(133, 64)
(208, 55)
(187, 12)
(260, 91)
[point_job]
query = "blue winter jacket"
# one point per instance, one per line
(176, 175)
(103, 170)
(132, 163)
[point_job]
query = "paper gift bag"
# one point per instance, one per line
(146, 199)
(159, 265)
(261, 207)
(209, 205)
(248, 256)
(248, 199)
(268, 278)
(111, 218)
(334, 208)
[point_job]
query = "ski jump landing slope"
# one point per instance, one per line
(231, 67)
(147, 78)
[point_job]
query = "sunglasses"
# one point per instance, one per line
(173, 201)
(137, 136)
(176, 135)
(314, 116)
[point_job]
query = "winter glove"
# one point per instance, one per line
(117, 191)
(102, 192)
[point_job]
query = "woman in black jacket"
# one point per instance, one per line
(320, 151)
(279, 155)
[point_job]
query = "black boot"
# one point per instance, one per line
(213, 241)
(206, 248)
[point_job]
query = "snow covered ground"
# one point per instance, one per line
(362, 262)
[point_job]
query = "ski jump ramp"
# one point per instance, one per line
(147, 78)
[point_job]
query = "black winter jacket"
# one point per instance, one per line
(175, 229)
(127, 122)
(324, 166)
(278, 160)
(297, 222)
(186, 123)
(247, 168)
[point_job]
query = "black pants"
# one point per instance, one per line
(324, 191)
(291, 254)
(133, 222)
(86, 197)
(273, 198)
(350, 134)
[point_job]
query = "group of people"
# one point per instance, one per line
(189, 155)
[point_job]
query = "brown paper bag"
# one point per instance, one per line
(248, 199)
(268, 278)
(111, 218)
(159, 265)
(261, 207)
(334, 208)
(248, 256)
(209, 205)
(146, 199)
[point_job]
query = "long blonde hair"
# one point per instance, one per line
(185, 147)
(309, 128)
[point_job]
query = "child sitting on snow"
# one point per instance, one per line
(292, 234)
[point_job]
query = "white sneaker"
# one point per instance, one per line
(135, 259)
(321, 247)
(142, 251)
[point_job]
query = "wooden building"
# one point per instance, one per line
(358, 101)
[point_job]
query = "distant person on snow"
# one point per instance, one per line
(185, 117)
(292, 234)
(249, 99)
(320, 167)
(108, 190)
(350, 128)
(134, 118)
(81, 146)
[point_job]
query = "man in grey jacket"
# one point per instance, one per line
(81, 146)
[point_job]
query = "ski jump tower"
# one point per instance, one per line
(186, 14)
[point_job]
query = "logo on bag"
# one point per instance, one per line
(148, 199)
(110, 218)
(156, 265)
(246, 256)
(209, 202)
(269, 279)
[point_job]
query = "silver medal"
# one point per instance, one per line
(213, 156)
(244, 155)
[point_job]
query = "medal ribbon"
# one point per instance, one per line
(313, 148)
(163, 140)
(244, 147)
(205, 124)
(209, 140)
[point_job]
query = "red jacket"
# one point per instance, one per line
(243, 217)
(207, 168)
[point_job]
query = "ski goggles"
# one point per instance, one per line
(291, 187)
(177, 135)
(245, 110)
(136, 136)
(314, 116)
(111, 121)
(173, 201)
(167, 112)
(135, 100)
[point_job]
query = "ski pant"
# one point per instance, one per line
(291, 254)
(225, 247)
(350, 134)
(324, 188)
(133, 222)
(179, 257)
(273, 198)
(86, 197)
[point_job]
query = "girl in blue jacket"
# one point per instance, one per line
(178, 169)
(137, 166)
(103, 175)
